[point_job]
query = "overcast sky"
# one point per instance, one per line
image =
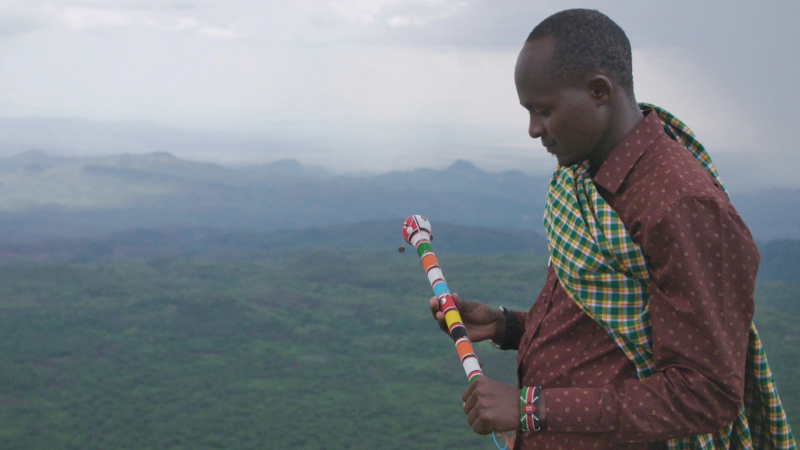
(391, 84)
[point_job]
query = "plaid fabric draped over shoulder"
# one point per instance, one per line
(605, 272)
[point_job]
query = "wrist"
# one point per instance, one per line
(531, 408)
(500, 324)
(506, 328)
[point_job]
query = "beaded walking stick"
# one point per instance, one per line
(417, 232)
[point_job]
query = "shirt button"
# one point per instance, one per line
(544, 298)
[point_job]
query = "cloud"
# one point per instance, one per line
(403, 76)
(220, 33)
(369, 21)
(404, 21)
(185, 23)
(359, 11)
(669, 78)
(80, 18)
(418, 20)
(131, 18)
(13, 26)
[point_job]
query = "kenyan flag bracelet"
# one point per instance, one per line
(529, 408)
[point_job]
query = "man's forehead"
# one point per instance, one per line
(542, 47)
(535, 63)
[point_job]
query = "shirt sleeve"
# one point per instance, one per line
(703, 263)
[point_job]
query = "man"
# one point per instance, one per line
(641, 337)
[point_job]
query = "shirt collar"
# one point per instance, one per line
(621, 160)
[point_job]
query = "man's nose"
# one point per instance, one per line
(535, 127)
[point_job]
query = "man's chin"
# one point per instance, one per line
(564, 162)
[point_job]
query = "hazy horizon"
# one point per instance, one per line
(375, 85)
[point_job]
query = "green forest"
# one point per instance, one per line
(272, 349)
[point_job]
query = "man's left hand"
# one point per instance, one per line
(491, 406)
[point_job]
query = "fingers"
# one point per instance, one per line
(434, 305)
(478, 423)
(466, 306)
(437, 314)
(470, 389)
(469, 404)
(470, 400)
(491, 406)
(476, 418)
(472, 416)
(472, 314)
(457, 301)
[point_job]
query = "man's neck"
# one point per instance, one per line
(625, 117)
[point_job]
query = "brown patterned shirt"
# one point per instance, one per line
(703, 263)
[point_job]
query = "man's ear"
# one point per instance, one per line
(601, 89)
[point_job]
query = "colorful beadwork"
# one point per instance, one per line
(528, 409)
(417, 232)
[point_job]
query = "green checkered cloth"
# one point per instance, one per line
(605, 272)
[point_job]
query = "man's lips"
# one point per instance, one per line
(549, 146)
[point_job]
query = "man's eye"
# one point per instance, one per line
(541, 112)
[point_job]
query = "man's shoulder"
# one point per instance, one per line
(668, 173)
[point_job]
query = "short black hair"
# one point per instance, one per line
(587, 40)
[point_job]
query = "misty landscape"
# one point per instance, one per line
(201, 202)
(150, 301)
(54, 197)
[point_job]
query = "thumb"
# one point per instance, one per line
(463, 305)
(458, 302)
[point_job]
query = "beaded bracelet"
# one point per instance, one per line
(529, 408)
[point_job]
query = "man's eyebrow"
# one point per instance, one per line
(532, 106)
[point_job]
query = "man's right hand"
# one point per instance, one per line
(481, 320)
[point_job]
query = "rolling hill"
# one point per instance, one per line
(43, 197)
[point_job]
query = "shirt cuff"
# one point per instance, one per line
(581, 410)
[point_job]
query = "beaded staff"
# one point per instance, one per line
(417, 232)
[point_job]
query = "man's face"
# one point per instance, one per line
(566, 118)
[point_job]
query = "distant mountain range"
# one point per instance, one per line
(44, 197)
